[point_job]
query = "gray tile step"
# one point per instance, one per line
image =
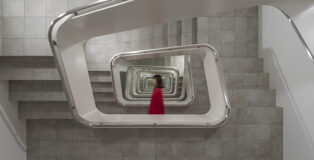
(100, 76)
(57, 97)
(252, 97)
(246, 80)
(44, 110)
(53, 91)
(104, 97)
(102, 87)
(256, 115)
(46, 74)
(39, 68)
(27, 62)
(242, 64)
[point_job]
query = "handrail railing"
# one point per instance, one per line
(307, 49)
(74, 11)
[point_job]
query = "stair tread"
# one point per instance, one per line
(104, 99)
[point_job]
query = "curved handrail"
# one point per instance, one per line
(307, 49)
(72, 11)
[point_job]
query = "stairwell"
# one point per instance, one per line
(254, 130)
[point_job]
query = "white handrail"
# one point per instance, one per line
(307, 49)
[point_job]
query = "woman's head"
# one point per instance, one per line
(157, 81)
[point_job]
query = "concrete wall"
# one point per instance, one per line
(291, 74)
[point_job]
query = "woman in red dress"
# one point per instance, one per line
(157, 102)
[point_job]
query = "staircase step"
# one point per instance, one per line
(104, 97)
(102, 87)
(252, 97)
(57, 110)
(29, 74)
(100, 76)
(241, 64)
(44, 110)
(247, 80)
(46, 74)
(53, 91)
(27, 62)
(39, 68)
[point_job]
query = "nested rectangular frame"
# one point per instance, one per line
(185, 99)
(146, 97)
(144, 78)
(220, 108)
(145, 93)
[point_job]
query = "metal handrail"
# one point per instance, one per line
(167, 96)
(307, 48)
(182, 98)
(73, 11)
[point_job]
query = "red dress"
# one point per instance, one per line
(157, 102)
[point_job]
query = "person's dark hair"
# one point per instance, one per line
(159, 81)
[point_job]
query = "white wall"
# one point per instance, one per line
(292, 75)
(12, 130)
